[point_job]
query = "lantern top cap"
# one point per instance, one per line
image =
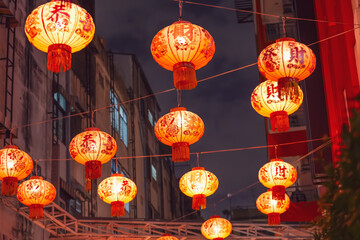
(36, 177)
(92, 129)
(198, 168)
(11, 146)
(181, 21)
(117, 175)
(177, 109)
(285, 39)
(166, 235)
(215, 216)
(276, 160)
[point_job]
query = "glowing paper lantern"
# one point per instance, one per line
(179, 129)
(198, 184)
(216, 228)
(36, 193)
(117, 190)
(167, 237)
(183, 47)
(277, 175)
(287, 62)
(59, 29)
(92, 148)
(273, 208)
(14, 166)
(266, 102)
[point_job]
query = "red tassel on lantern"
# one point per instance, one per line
(184, 76)
(36, 211)
(279, 120)
(117, 209)
(278, 192)
(88, 184)
(93, 169)
(59, 58)
(9, 186)
(199, 202)
(180, 152)
(274, 219)
(288, 88)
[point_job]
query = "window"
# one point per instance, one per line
(153, 172)
(59, 108)
(151, 117)
(114, 111)
(127, 207)
(123, 126)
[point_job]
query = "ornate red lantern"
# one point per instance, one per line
(216, 228)
(198, 184)
(14, 166)
(266, 102)
(167, 237)
(273, 208)
(117, 190)
(179, 129)
(183, 47)
(287, 62)
(59, 28)
(277, 175)
(36, 193)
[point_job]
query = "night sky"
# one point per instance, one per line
(128, 26)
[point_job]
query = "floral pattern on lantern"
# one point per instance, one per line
(287, 62)
(183, 47)
(273, 208)
(36, 193)
(117, 190)
(277, 175)
(59, 29)
(198, 184)
(15, 165)
(216, 228)
(92, 148)
(167, 237)
(266, 102)
(179, 129)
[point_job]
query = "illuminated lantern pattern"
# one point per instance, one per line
(117, 190)
(167, 237)
(198, 184)
(216, 228)
(14, 166)
(277, 175)
(266, 102)
(287, 62)
(92, 148)
(36, 193)
(183, 47)
(273, 208)
(59, 29)
(179, 129)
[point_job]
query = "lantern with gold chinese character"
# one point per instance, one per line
(273, 208)
(14, 166)
(266, 102)
(277, 175)
(179, 129)
(117, 190)
(183, 47)
(198, 184)
(167, 237)
(287, 62)
(216, 228)
(92, 148)
(59, 28)
(36, 193)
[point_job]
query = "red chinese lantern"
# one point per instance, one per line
(117, 190)
(287, 62)
(183, 47)
(277, 175)
(14, 166)
(92, 148)
(216, 228)
(266, 102)
(36, 193)
(198, 184)
(273, 208)
(179, 129)
(167, 237)
(59, 28)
